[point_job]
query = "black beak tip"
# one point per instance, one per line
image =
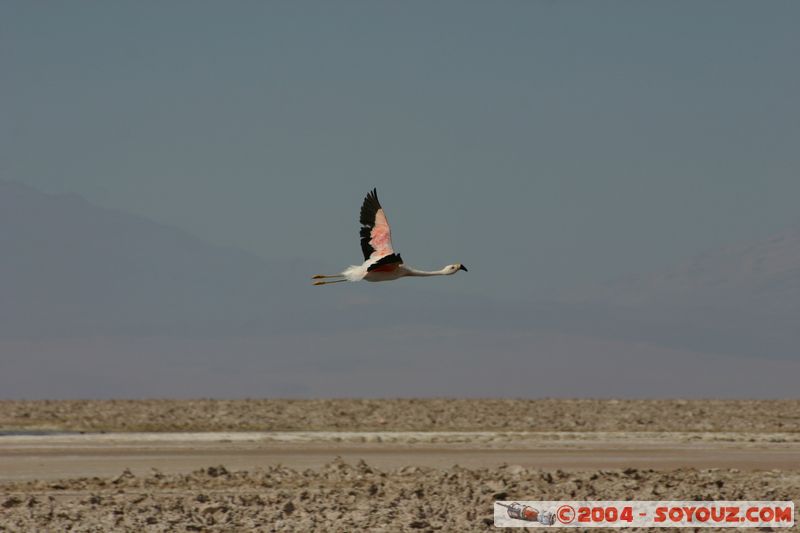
(462, 267)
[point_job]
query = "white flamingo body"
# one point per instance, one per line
(360, 272)
(381, 263)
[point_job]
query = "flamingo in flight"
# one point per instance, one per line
(381, 263)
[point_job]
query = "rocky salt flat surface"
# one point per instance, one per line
(775, 416)
(345, 496)
(409, 465)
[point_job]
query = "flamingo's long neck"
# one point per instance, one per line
(421, 273)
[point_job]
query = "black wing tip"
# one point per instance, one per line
(369, 208)
(372, 197)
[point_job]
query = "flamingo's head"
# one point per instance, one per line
(452, 269)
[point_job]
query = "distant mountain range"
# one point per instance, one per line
(80, 285)
(742, 299)
(763, 277)
(70, 268)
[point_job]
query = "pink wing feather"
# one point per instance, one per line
(376, 236)
(381, 235)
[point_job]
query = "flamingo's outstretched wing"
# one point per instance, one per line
(376, 236)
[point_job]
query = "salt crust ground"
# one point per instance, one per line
(349, 497)
(354, 496)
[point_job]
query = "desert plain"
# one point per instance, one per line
(375, 465)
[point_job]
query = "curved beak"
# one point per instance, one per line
(462, 267)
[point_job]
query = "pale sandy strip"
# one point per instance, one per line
(404, 437)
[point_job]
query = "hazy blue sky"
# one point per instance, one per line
(543, 144)
(546, 145)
